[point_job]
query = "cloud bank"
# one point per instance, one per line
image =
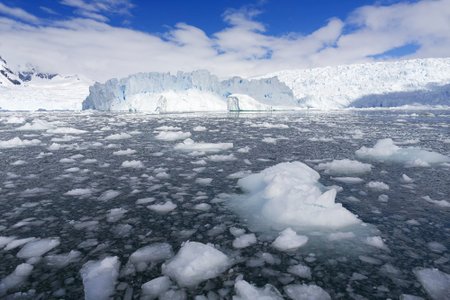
(88, 45)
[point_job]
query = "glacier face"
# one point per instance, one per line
(193, 91)
(385, 84)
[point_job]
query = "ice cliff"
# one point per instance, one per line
(183, 92)
(380, 84)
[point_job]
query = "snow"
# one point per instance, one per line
(244, 241)
(290, 195)
(16, 278)
(183, 92)
(18, 143)
(156, 287)
(247, 291)
(359, 84)
(190, 145)
(435, 282)
(196, 262)
(306, 291)
(289, 240)
(170, 136)
(345, 167)
(38, 247)
(99, 278)
(385, 150)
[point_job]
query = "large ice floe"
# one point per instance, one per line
(196, 262)
(435, 282)
(290, 195)
(385, 150)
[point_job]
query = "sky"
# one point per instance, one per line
(102, 39)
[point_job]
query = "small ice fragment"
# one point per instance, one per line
(132, 164)
(305, 291)
(289, 240)
(62, 260)
(196, 262)
(16, 278)
(301, 271)
(247, 291)
(163, 208)
(377, 186)
(345, 167)
(244, 241)
(170, 136)
(377, 242)
(108, 195)
(156, 287)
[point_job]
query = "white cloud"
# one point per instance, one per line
(18, 13)
(243, 47)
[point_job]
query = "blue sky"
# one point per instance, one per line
(106, 38)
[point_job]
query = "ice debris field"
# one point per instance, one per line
(305, 205)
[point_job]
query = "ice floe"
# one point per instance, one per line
(196, 262)
(99, 278)
(290, 195)
(345, 167)
(289, 240)
(170, 136)
(38, 247)
(435, 282)
(190, 145)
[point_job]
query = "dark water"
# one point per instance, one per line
(33, 192)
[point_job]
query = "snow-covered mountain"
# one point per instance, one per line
(184, 92)
(34, 90)
(407, 82)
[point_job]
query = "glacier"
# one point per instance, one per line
(186, 91)
(380, 84)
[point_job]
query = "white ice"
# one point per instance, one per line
(345, 167)
(247, 291)
(190, 145)
(132, 164)
(170, 136)
(385, 150)
(156, 287)
(38, 247)
(18, 143)
(163, 208)
(289, 240)
(196, 262)
(16, 278)
(244, 241)
(99, 278)
(306, 291)
(435, 282)
(290, 195)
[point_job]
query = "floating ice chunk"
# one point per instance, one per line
(99, 278)
(289, 195)
(19, 163)
(163, 208)
(38, 247)
(18, 143)
(18, 243)
(16, 278)
(237, 231)
(170, 136)
(167, 128)
(156, 287)
(199, 128)
(217, 158)
(118, 136)
(202, 206)
(244, 241)
(348, 180)
(5, 240)
(203, 181)
(108, 195)
(190, 145)
(124, 152)
(239, 174)
(377, 186)
(145, 200)
(433, 246)
(66, 130)
(435, 282)
(62, 260)
(410, 297)
(270, 125)
(377, 242)
(132, 164)
(289, 240)
(36, 125)
(386, 151)
(301, 271)
(115, 214)
(406, 179)
(246, 291)
(78, 192)
(269, 140)
(441, 203)
(154, 253)
(14, 120)
(194, 263)
(305, 291)
(345, 167)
